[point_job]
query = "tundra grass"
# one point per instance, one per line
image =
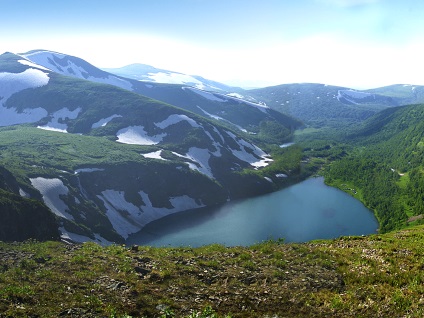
(373, 276)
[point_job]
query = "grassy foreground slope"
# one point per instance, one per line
(375, 276)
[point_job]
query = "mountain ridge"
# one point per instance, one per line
(99, 156)
(242, 115)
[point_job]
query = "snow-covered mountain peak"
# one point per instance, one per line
(75, 67)
(147, 73)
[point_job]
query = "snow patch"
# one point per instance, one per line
(261, 105)
(69, 68)
(81, 238)
(10, 116)
(136, 135)
(288, 144)
(154, 155)
(211, 115)
(122, 215)
(281, 175)
(174, 78)
(250, 153)
(11, 83)
(223, 119)
(29, 63)
(51, 190)
(201, 157)
(126, 218)
(236, 95)
(174, 119)
(179, 203)
(217, 145)
(207, 95)
(351, 96)
(103, 122)
(23, 194)
(56, 123)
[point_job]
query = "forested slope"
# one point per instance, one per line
(385, 167)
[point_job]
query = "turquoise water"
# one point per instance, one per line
(303, 212)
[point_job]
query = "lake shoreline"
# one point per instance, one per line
(302, 212)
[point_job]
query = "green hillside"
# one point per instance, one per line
(385, 165)
(319, 105)
(117, 160)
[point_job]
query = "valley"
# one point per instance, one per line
(94, 164)
(109, 154)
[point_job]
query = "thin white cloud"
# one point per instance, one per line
(327, 58)
(347, 3)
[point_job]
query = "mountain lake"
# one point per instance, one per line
(306, 211)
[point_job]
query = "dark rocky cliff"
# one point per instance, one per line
(21, 218)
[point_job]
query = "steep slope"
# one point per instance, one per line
(323, 105)
(385, 167)
(107, 161)
(236, 113)
(22, 218)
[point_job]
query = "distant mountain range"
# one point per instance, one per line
(107, 160)
(316, 105)
(223, 107)
(108, 153)
(322, 105)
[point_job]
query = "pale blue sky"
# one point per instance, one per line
(356, 43)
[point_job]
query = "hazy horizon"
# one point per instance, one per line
(352, 43)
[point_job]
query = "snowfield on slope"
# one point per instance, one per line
(60, 63)
(104, 121)
(136, 135)
(51, 190)
(11, 83)
(173, 78)
(81, 238)
(250, 153)
(201, 157)
(154, 155)
(175, 119)
(33, 65)
(57, 118)
(126, 218)
(205, 94)
(352, 96)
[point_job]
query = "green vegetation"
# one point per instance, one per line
(29, 152)
(32, 151)
(317, 105)
(384, 166)
(378, 275)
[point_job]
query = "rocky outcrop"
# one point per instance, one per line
(23, 219)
